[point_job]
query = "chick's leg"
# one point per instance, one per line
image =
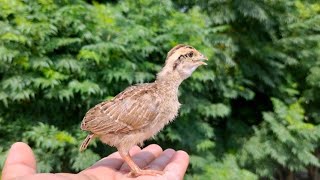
(135, 170)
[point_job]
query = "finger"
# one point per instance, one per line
(161, 161)
(144, 157)
(114, 160)
(177, 166)
(20, 162)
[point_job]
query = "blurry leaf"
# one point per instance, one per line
(84, 160)
(215, 110)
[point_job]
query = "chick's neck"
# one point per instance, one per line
(169, 79)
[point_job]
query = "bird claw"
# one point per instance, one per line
(141, 172)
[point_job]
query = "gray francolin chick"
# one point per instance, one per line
(141, 111)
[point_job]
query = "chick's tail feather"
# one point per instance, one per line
(86, 142)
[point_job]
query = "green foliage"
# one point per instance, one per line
(285, 141)
(225, 170)
(251, 113)
(57, 150)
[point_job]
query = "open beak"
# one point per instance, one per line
(202, 59)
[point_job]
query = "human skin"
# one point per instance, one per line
(21, 164)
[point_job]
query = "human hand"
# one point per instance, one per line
(21, 164)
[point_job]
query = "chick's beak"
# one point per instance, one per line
(202, 59)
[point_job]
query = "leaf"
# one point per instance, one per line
(7, 55)
(85, 87)
(88, 54)
(204, 145)
(40, 63)
(215, 110)
(13, 37)
(84, 160)
(69, 65)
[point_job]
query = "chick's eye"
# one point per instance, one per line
(190, 54)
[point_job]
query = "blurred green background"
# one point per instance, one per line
(252, 113)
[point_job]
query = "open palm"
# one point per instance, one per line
(21, 164)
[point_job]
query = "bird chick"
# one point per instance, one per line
(141, 111)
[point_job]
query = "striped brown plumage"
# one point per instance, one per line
(120, 114)
(141, 111)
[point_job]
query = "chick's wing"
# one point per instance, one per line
(131, 110)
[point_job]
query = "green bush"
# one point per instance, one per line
(251, 113)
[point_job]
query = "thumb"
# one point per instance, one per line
(20, 162)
